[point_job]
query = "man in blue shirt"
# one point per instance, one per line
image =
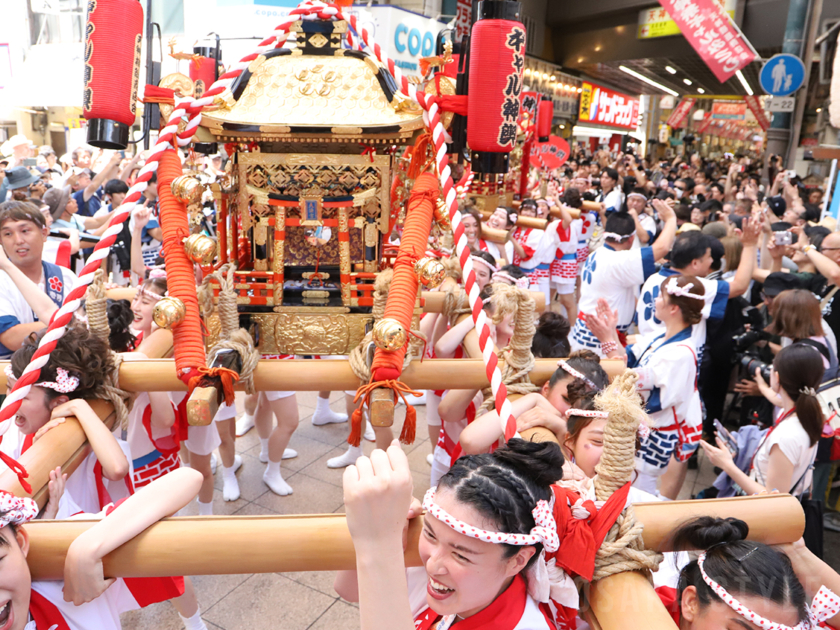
(85, 188)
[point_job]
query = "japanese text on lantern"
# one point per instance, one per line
(713, 34)
(515, 40)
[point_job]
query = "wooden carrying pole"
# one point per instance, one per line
(268, 544)
(432, 302)
(158, 375)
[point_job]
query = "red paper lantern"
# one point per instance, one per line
(203, 69)
(497, 58)
(545, 116)
(113, 37)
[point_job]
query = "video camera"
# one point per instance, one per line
(744, 342)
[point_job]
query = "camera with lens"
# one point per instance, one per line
(745, 352)
(751, 363)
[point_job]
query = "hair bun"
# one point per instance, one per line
(706, 531)
(553, 325)
(542, 462)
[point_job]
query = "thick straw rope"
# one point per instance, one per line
(622, 549)
(96, 307)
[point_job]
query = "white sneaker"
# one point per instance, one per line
(244, 424)
(414, 401)
(230, 487)
(343, 461)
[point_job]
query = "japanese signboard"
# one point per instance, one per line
(729, 110)
(657, 22)
(713, 34)
(703, 125)
(601, 106)
(757, 109)
(463, 19)
(678, 116)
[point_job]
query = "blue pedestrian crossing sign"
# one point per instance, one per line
(782, 75)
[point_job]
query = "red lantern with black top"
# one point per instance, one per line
(204, 68)
(113, 36)
(497, 58)
(545, 116)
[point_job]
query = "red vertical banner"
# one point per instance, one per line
(713, 34)
(704, 124)
(680, 114)
(463, 19)
(758, 111)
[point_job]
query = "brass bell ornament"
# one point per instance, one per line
(188, 188)
(430, 272)
(389, 334)
(169, 312)
(200, 249)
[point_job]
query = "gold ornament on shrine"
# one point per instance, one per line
(169, 312)
(389, 334)
(200, 249)
(430, 272)
(187, 188)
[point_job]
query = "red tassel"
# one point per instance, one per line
(19, 470)
(356, 427)
(409, 426)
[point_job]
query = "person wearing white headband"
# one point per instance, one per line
(77, 368)
(614, 272)
(691, 256)
(666, 365)
(487, 524)
(484, 266)
(645, 224)
(576, 376)
(86, 599)
(743, 584)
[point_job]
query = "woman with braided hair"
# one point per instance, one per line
(739, 584)
(487, 524)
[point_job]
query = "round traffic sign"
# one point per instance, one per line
(782, 74)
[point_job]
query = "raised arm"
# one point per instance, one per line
(751, 229)
(666, 238)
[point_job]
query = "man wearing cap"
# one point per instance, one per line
(17, 178)
(84, 190)
(52, 167)
(31, 289)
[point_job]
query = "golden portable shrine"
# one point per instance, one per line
(318, 178)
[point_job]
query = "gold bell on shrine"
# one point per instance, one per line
(430, 272)
(169, 312)
(389, 334)
(187, 188)
(200, 249)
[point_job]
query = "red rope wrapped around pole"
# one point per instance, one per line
(190, 354)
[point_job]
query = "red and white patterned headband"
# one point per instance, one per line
(825, 605)
(575, 374)
(587, 413)
(545, 530)
(520, 283)
(141, 293)
(492, 268)
(674, 289)
(64, 383)
(16, 510)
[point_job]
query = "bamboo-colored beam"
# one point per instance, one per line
(267, 544)
(628, 597)
(432, 301)
(158, 375)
